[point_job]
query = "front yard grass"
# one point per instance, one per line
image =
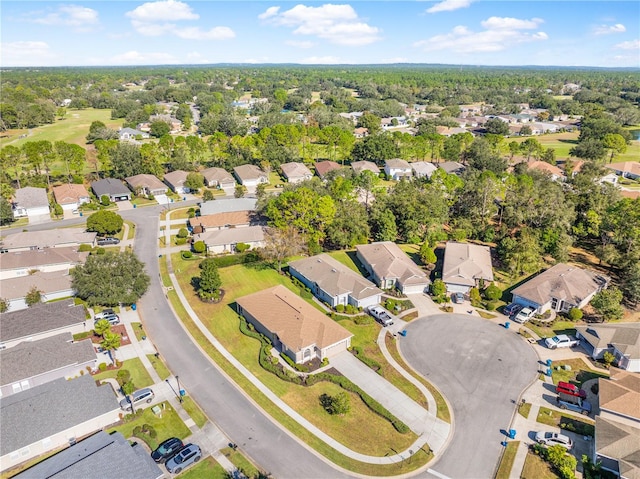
(159, 366)
(137, 329)
(558, 327)
(139, 374)
(537, 468)
(194, 411)
(208, 468)
(506, 463)
(578, 374)
(167, 424)
(241, 462)
(579, 424)
(524, 409)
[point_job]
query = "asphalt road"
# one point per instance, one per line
(481, 369)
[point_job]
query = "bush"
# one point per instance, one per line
(241, 258)
(101, 251)
(575, 314)
(340, 308)
(123, 376)
(242, 247)
(492, 292)
(183, 233)
(491, 306)
(349, 309)
(181, 241)
(102, 366)
(338, 404)
(438, 288)
(474, 297)
(186, 255)
(84, 247)
(104, 200)
(199, 247)
(296, 366)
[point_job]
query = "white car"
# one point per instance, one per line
(524, 315)
(381, 315)
(554, 439)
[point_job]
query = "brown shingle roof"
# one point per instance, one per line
(621, 442)
(388, 261)
(464, 263)
(324, 167)
(42, 257)
(217, 175)
(66, 194)
(296, 322)
(176, 178)
(545, 167)
(621, 393)
(46, 283)
(360, 166)
(145, 181)
(233, 218)
(632, 167)
(249, 172)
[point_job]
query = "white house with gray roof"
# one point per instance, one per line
(130, 134)
(250, 176)
(465, 265)
(22, 263)
(58, 238)
(621, 340)
(32, 203)
(332, 282)
(146, 185)
(225, 240)
(51, 415)
(52, 285)
(423, 169)
(219, 178)
(228, 205)
(397, 169)
(295, 172)
(176, 181)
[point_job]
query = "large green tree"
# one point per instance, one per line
(209, 282)
(105, 222)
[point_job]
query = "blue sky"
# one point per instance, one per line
(469, 32)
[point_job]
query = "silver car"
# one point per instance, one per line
(547, 438)
(139, 396)
(188, 455)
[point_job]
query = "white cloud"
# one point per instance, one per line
(337, 24)
(499, 33)
(300, 44)
(607, 29)
(80, 19)
(134, 57)
(327, 60)
(153, 19)
(25, 53)
(449, 5)
(629, 45)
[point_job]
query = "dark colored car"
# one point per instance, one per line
(184, 458)
(167, 449)
(457, 298)
(511, 309)
(107, 241)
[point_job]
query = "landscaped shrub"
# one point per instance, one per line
(84, 247)
(298, 367)
(241, 258)
(474, 297)
(186, 254)
(491, 306)
(181, 241)
(340, 308)
(492, 292)
(575, 314)
(182, 233)
(199, 247)
(375, 365)
(102, 366)
(563, 463)
(242, 247)
(101, 251)
(104, 200)
(362, 319)
(438, 288)
(349, 309)
(338, 404)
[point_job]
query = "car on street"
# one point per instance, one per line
(381, 315)
(112, 318)
(511, 309)
(188, 455)
(524, 315)
(104, 313)
(457, 298)
(547, 438)
(107, 241)
(166, 449)
(137, 397)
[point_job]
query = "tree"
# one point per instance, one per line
(496, 126)
(438, 288)
(6, 213)
(349, 227)
(126, 160)
(525, 130)
(239, 191)
(105, 222)
(522, 254)
(207, 195)
(383, 224)
(194, 181)
(614, 142)
(376, 148)
(280, 244)
(159, 128)
(34, 296)
(427, 255)
(110, 279)
(199, 247)
(110, 342)
(101, 327)
(338, 404)
(492, 292)
(631, 283)
(371, 122)
(607, 303)
(209, 282)
(99, 131)
(589, 149)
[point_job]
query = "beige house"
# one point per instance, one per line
(360, 166)
(219, 178)
(23, 263)
(626, 169)
(52, 285)
(226, 240)
(232, 219)
(324, 167)
(250, 176)
(294, 326)
(397, 169)
(176, 180)
(465, 265)
(31, 202)
(70, 197)
(58, 238)
(146, 185)
(621, 340)
(295, 172)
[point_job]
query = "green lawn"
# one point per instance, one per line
(194, 411)
(139, 374)
(506, 463)
(138, 330)
(536, 468)
(159, 366)
(347, 258)
(208, 468)
(578, 374)
(241, 462)
(554, 418)
(167, 424)
(524, 409)
(558, 327)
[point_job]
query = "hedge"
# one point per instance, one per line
(240, 258)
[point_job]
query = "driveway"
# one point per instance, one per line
(481, 368)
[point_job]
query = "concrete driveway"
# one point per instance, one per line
(481, 368)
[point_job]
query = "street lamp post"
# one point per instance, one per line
(174, 391)
(179, 390)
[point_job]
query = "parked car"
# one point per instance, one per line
(573, 403)
(139, 396)
(554, 439)
(381, 315)
(457, 298)
(188, 455)
(524, 315)
(570, 389)
(107, 241)
(112, 318)
(166, 449)
(562, 341)
(511, 309)
(104, 313)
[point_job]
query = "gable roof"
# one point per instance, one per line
(227, 205)
(296, 322)
(632, 167)
(423, 168)
(562, 281)
(249, 234)
(218, 175)
(625, 337)
(42, 257)
(451, 167)
(32, 358)
(30, 197)
(50, 408)
(545, 167)
(334, 277)
(109, 187)
(397, 163)
(145, 181)
(232, 218)
(176, 178)
(40, 318)
(69, 193)
(464, 263)
(48, 238)
(295, 170)
(360, 166)
(249, 172)
(621, 442)
(621, 393)
(388, 261)
(324, 167)
(46, 282)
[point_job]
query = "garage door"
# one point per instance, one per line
(414, 288)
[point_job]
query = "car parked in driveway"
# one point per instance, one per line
(112, 318)
(137, 397)
(511, 309)
(166, 449)
(457, 298)
(381, 315)
(104, 313)
(524, 315)
(547, 438)
(188, 455)
(107, 241)
(570, 389)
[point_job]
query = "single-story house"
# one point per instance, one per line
(360, 166)
(22, 263)
(295, 172)
(626, 169)
(30, 202)
(617, 447)
(225, 240)
(422, 169)
(553, 171)
(361, 132)
(452, 167)
(621, 340)
(227, 205)
(71, 196)
(332, 282)
(41, 321)
(52, 285)
(57, 238)
(250, 176)
(619, 396)
(390, 267)
(560, 288)
(175, 180)
(49, 416)
(465, 266)
(128, 134)
(146, 185)
(114, 189)
(32, 363)
(324, 167)
(111, 454)
(294, 326)
(397, 169)
(218, 178)
(234, 219)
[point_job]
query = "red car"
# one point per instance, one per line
(570, 389)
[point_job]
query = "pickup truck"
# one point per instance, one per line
(574, 403)
(561, 341)
(381, 315)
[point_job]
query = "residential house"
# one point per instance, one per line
(555, 173)
(397, 169)
(360, 166)
(144, 184)
(452, 167)
(175, 180)
(218, 221)
(31, 202)
(294, 326)
(40, 321)
(626, 169)
(621, 340)
(619, 396)
(540, 128)
(324, 167)
(58, 238)
(361, 132)
(49, 416)
(129, 134)
(470, 110)
(219, 178)
(296, 172)
(110, 454)
(423, 169)
(227, 205)
(225, 240)
(334, 283)
(560, 288)
(32, 363)
(465, 266)
(250, 176)
(114, 189)
(446, 131)
(390, 267)
(52, 285)
(22, 263)
(175, 125)
(71, 196)
(393, 122)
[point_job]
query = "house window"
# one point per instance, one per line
(25, 451)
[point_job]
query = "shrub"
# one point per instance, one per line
(199, 247)
(296, 366)
(186, 254)
(349, 309)
(242, 247)
(230, 260)
(358, 353)
(438, 288)
(182, 233)
(474, 297)
(338, 404)
(575, 314)
(491, 306)
(608, 358)
(181, 241)
(123, 376)
(102, 366)
(492, 292)
(101, 251)
(104, 200)
(340, 308)
(84, 247)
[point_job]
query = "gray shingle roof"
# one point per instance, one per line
(40, 318)
(248, 173)
(176, 178)
(50, 408)
(227, 206)
(145, 181)
(624, 337)
(360, 166)
(110, 454)
(46, 282)
(295, 170)
(217, 175)
(30, 197)
(109, 186)
(32, 358)
(387, 260)
(246, 234)
(42, 257)
(48, 238)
